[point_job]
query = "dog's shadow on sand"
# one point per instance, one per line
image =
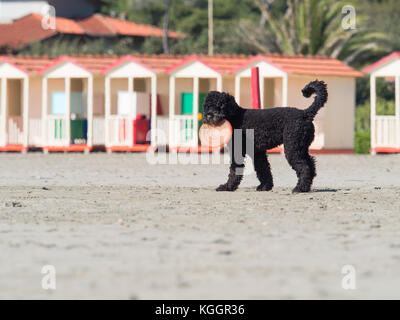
(325, 190)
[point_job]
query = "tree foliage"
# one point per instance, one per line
(314, 27)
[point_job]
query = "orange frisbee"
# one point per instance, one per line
(215, 136)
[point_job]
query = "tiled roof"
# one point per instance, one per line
(291, 64)
(29, 29)
(223, 64)
(384, 60)
(158, 63)
(304, 65)
(98, 64)
(312, 65)
(30, 64)
(23, 31)
(103, 25)
(93, 63)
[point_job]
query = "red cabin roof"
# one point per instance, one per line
(29, 29)
(384, 60)
(223, 64)
(307, 65)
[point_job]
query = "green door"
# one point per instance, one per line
(78, 131)
(187, 102)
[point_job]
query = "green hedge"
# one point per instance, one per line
(362, 143)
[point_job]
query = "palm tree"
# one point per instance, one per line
(312, 27)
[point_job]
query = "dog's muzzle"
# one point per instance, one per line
(212, 119)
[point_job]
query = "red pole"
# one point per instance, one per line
(255, 88)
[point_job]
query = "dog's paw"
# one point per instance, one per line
(264, 187)
(224, 187)
(297, 189)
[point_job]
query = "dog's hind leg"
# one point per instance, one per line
(311, 163)
(304, 165)
(263, 171)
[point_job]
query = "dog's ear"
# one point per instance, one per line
(211, 99)
(220, 102)
(229, 105)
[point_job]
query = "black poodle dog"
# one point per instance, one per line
(270, 128)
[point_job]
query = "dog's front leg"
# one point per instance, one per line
(234, 178)
(236, 169)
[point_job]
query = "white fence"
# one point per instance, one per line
(99, 134)
(120, 130)
(57, 130)
(35, 132)
(386, 132)
(183, 131)
(162, 137)
(15, 130)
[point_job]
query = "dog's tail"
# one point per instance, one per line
(319, 88)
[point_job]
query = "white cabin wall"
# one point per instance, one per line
(35, 97)
(14, 97)
(181, 85)
(295, 96)
(269, 93)
(163, 93)
(389, 69)
(98, 92)
(278, 93)
(228, 85)
(340, 113)
(337, 116)
(117, 84)
(245, 93)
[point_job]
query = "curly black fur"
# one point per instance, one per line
(272, 127)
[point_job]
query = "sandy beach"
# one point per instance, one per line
(115, 226)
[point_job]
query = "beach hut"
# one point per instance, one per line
(67, 106)
(38, 68)
(130, 102)
(190, 80)
(135, 98)
(95, 64)
(385, 129)
(73, 103)
(32, 131)
(76, 103)
(14, 106)
(281, 79)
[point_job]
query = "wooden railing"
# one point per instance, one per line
(35, 132)
(99, 134)
(120, 130)
(162, 136)
(57, 130)
(15, 130)
(183, 131)
(386, 134)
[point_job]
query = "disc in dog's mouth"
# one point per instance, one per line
(215, 136)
